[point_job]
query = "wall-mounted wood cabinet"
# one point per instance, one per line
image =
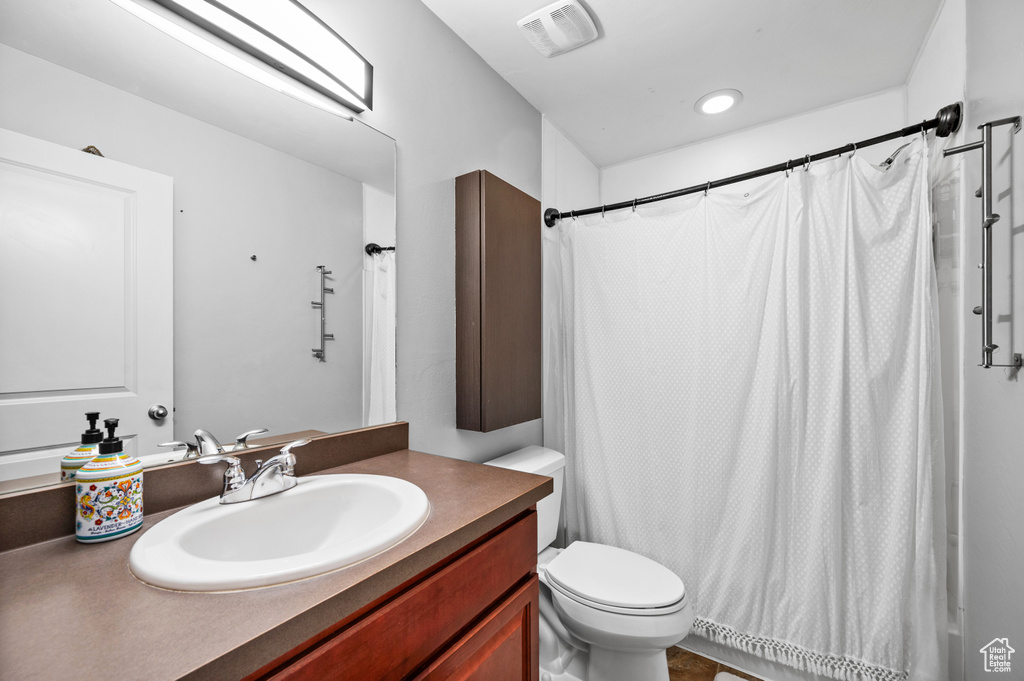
(497, 303)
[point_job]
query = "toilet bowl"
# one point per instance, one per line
(606, 614)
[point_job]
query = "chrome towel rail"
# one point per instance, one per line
(320, 353)
(988, 218)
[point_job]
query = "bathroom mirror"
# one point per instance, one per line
(265, 189)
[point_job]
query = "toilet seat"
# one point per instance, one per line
(615, 580)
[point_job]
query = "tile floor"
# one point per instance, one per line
(686, 666)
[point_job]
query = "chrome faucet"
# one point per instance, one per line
(273, 476)
(207, 445)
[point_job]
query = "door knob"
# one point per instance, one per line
(158, 412)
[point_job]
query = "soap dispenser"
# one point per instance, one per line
(85, 452)
(108, 493)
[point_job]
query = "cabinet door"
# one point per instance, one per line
(502, 647)
(391, 642)
(497, 303)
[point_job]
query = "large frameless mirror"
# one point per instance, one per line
(264, 188)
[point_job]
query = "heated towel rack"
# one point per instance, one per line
(988, 218)
(321, 352)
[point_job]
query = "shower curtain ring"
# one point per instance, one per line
(634, 205)
(572, 214)
(807, 162)
(602, 212)
(787, 167)
(852, 144)
(707, 188)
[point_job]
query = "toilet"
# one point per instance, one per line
(606, 614)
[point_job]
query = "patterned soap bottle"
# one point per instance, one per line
(108, 492)
(85, 452)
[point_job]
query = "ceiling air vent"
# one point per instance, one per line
(558, 28)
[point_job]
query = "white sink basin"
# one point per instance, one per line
(324, 523)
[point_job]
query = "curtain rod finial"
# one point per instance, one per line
(551, 216)
(949, 118)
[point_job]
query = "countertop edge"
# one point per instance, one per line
(272, 644)
(195, 638)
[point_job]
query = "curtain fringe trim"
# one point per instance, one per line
(833, 666)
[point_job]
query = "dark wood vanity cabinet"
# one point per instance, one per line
(471, 616)
(497, 303)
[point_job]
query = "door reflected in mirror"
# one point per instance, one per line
(263, 189)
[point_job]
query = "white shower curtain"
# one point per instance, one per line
(382, 340)
(751, 393)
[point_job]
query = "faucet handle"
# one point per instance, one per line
(286, 459)
(234, 476)
(240, 441)
(287, 449)
(191, 450)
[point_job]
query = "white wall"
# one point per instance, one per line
(570, 180)
(939, 74)
(756, 147)
(937, 79)
(450, 114)
(243, 329)
(378, 228)
(993, 438)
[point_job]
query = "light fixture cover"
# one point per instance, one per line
(558, 28)
(289, 38)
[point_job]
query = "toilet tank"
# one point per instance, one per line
(539, 461)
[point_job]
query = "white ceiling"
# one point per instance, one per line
(631, 92)
(100, 40)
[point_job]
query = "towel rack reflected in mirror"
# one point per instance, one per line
(320, 353)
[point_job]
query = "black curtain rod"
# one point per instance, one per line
(374, 249)
(946, 122)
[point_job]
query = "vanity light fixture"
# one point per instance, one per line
(718, 101)
(275, 42)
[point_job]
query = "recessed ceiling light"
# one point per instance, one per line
(718, 101)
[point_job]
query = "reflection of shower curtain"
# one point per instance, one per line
(752, 398)
(382, 344)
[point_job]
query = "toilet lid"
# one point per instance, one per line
(611, 576)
